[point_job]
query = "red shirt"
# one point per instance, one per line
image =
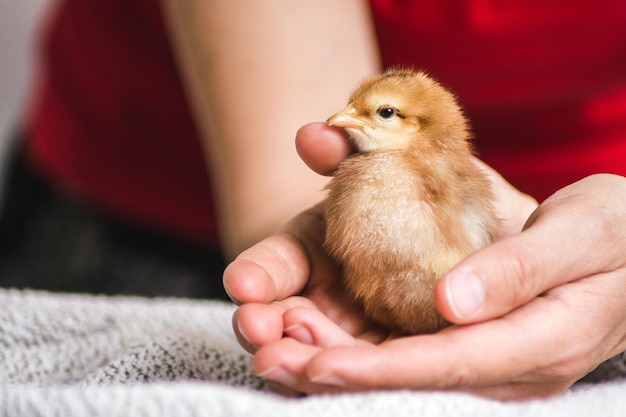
(543, 83)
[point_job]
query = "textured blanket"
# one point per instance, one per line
(78, 355)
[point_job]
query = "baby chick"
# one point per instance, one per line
(410, 203)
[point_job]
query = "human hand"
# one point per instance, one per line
(291, 268)
(524, 345)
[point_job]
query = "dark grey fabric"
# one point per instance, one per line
(50, 242)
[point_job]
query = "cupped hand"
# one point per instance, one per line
(291, 268)
(534, 312)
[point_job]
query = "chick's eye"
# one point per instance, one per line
(387, 112)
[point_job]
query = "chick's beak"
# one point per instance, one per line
(346, 118)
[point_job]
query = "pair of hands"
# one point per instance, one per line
(545, 309)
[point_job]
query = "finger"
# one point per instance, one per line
(278, 266)
(553, 250)
(241, 336)
(284, 362)
(310, 326)
(322, 147)
(272, 269)
(461, 358)
(261, 324)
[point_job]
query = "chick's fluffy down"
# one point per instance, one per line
(410, 203)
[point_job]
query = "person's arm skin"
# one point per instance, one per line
(552, 309)
(254, 73)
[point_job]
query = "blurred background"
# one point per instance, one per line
(18, 19)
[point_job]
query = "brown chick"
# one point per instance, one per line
(410, 203)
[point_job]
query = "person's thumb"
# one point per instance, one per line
(555, 248)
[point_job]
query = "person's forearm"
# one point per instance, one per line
(255, 72)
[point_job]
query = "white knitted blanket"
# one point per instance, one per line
(79, 355)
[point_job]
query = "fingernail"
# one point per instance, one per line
(329, 379)
(466, 293)
(278, 374)
(241, 336)
(226, 285)
(230, 295)
(300, 333)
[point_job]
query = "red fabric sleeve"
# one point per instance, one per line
(111, 122)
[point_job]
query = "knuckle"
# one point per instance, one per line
(570, 370)
(461, 376)
(522, 268)
(605, 228)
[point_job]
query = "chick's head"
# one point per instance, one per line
(400, 109)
